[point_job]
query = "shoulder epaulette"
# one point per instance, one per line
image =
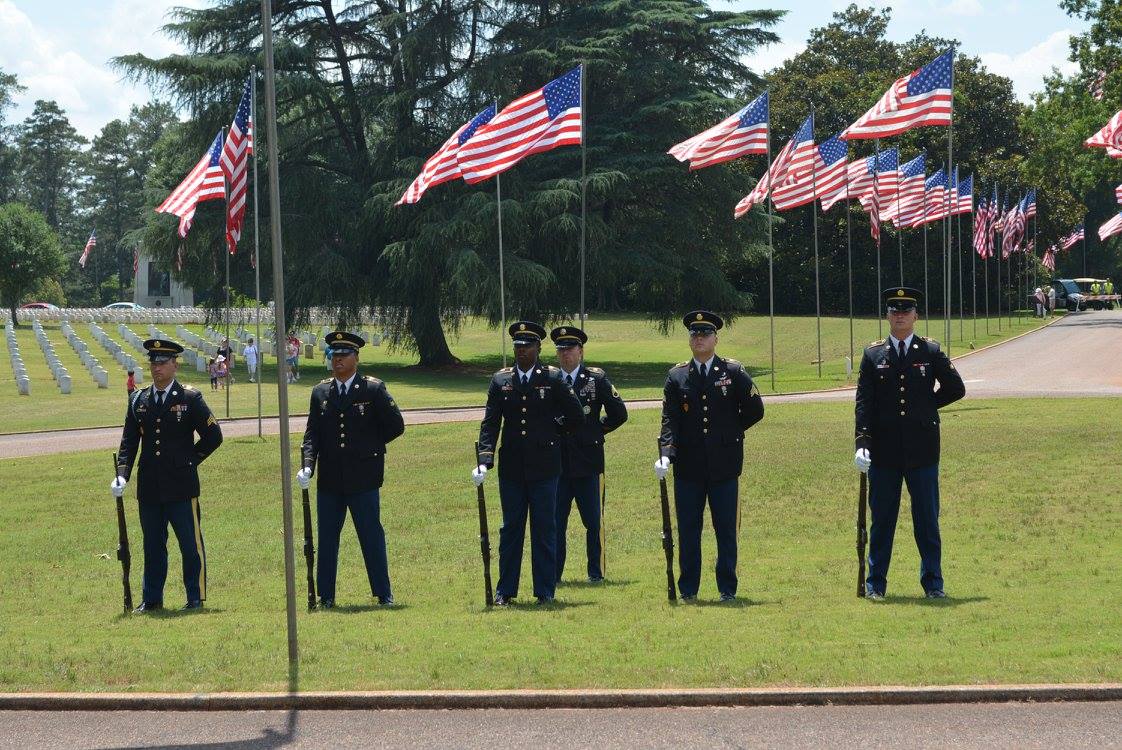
(878, 342)
(507, 369)
(731, 361)
(325, 380)
(681, 364)
(371, 379)
(188, 387)
(552, 369)
(595, 370)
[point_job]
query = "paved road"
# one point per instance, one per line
(1088, 345)
(1006, 725)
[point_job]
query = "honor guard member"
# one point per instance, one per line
(162, 421)
(707, 404)
(350, 420)
(897, 438)
(532, 407)
(582, 451)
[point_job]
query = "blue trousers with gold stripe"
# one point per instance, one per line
(186, 521)
(689, 504)
(588, 493)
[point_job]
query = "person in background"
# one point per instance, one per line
(221, 371)
(1051, 300)
(130, 384)
(212, 369)
(292, 356)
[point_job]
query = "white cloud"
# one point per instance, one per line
(963, 8)
(1027, 69)
(768, 58)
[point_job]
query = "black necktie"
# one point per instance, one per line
(159, 399)
(525, 378)
(701, 369)
(903, 350)
(342, 390)
(568, 380)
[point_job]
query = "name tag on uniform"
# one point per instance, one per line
(179, 408)
(724, 381)
(508, 387)
(883, 365)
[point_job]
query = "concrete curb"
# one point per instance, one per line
(1055, 319)
(512, 699)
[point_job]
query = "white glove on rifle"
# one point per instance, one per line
(117, 486)
(662, 466)
(862, 461)
(304, 478)
(478, 474)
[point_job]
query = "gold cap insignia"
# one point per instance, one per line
(899, 292)
(338, 336)
(522, 327)
(699, 316)
(563, 331)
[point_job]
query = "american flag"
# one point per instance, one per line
(235, 163)
(797, 187)
(965, 196)
(1112, 227)
(1072, 239)
(203, 183)
(1109, 136)
(537, 122)
(860, 174)
(1030, 203)
(934, 199)
(918, 99)
(135, 260)
(1118, 193)
(874, 216)
(1049, 259)
(1096, 86)
(179, 257)
(90, 243)
(1014, 229)
(981, 227)
(908, 205)
(994, 211)
(831, 165)
(801, 145)
(442, 166)
(738, 135)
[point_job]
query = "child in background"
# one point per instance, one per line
(130, 384)
(222, 371)
(212, 368)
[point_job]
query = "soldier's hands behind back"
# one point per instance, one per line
(117, 486)
(862, 461)
(478, 474)
(662, 467)
(304, 478)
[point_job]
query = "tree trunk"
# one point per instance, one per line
(424, 325)
(15, 320)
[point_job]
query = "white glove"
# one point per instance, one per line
(662, 466)
(478, 474)
(117, 486)
(862, 461)
(304, 478)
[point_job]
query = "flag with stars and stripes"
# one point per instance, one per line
(442, 166)
(1109, 136)
(934, 198)
(1112, 227)
(981, 227)
(860, 175)
(235, 166)
(798, 187)
(800, 148)
(921, 98)
(1030, 203)
(740, 134)
(203, 183)
(90, 244)
(908, 204)
(1072, 239)
(964, 196)
(1049, 259)
(539, 121)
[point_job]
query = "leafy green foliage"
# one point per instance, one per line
(29, 252)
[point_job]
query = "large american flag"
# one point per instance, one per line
(797, 188)
(1030, 203)
(1109, 135)
(1013, 229)
(235, 165)
(203, 183)
(537, 122)
(90, 243)
(860, 175)
(934, 199)
(1049, 259)
(1118, 193)
(981, 228)
(1112, 227)
(918, 99)
(964, 202)
(1072, 239)
(801, 146)
(831, 165)
(442, 166)
(908, 203)
(742, 133)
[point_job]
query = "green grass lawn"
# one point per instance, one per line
(635, 354)
(1032, 534)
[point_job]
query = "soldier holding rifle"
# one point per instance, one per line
(708, 403)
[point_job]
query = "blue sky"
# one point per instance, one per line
(60, 48)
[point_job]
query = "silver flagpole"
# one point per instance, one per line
(997, 260)
(849, 262)
(876, 204)
(926, 300)
(814, 214)
(770, 248)
(947, 247)
(958, 252)
(229, 346)
(583, 181)
(278, 323)
(256, 245)
(896, 224)
(502, 272)
(973, 267)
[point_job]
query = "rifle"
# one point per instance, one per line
(667, 538)
(123, 553)
(484, 538)
(862, 535)
(309, 550)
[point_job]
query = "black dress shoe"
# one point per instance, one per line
(193, 604)
(688, 597)
(874, 596)
(728, 597)
(597, 579)
(546, 600)
(149, 607)
(936, 594)
(327, 604)
(502, 601)
(385, 601)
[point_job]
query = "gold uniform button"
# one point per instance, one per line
(705, 419)
(523, 421)
(901, 414)
(901, 377)
(523, 432)
(157, 441)
(342, 445)
(901, 389)
(705, 429)
(705, 408)
(157, 453)
(523, 409)
(342, 434)
(703, 397)
(157, 421)
(157, 430)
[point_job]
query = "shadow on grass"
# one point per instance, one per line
(531, 606)
(923, 601)
(738, 603)
(606, 583)
(350, 609)
(167, 614)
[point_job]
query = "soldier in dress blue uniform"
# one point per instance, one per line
(582, 451)
(707, 404)
(897, 438)
(532, 407)
(162, 421)
(350, 420)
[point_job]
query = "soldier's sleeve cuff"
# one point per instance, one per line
(863, 441)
